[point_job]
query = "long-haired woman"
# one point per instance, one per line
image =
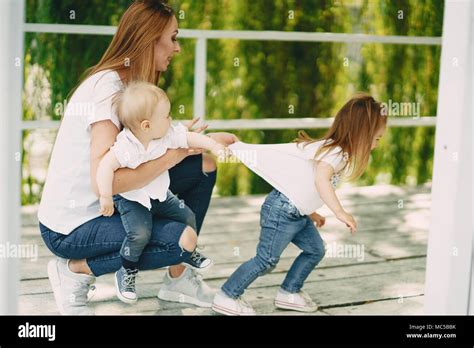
(86, 243)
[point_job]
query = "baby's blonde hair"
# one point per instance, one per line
(137, 102)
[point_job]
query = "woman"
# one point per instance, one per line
(86, 243)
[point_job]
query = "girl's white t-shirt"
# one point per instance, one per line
(130, 153)
(68, 200)
(290, 169)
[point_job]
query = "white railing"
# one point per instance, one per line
(200, 71)
(268, 123)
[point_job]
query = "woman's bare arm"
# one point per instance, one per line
(103, 134)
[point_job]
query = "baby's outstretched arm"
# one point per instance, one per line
(324, 172)
(204, 142)
(105, 176)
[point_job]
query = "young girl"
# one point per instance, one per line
(144, 111)
(304, 175)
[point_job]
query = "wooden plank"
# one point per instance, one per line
(339, 284)
(332, 231)
(41, 284)
(400, 306)
(344, 291)
(350, 197)
(332, 287)
(222, 248)
(223, 259)
(385, 216)
(388, 245)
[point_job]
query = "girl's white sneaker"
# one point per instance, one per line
(226, 305)
(299, 301)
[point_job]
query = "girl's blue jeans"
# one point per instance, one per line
(281, 224)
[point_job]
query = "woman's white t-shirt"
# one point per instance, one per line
(130, 153)
(68, 200)
(290, 169)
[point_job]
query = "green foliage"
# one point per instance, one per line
(265, 79)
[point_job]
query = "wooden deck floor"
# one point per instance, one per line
(388, 278)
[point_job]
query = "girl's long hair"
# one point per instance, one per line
(353, 130)
(132, 47)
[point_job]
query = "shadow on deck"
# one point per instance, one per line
(380, 270)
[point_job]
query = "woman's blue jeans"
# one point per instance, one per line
(99, 240)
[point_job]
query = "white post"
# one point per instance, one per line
(11, 76)
(200, 78)
(450, 246)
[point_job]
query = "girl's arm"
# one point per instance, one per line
(105, 176)
(324, 172)
(103, 134)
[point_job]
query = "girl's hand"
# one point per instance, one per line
(348, 219)
(106, 206)
(318, 219)
(191, 124)
(223, 138)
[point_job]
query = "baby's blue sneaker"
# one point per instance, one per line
(125, 285)
(198, 262)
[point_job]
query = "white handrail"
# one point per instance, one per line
(243, 34)
(268, 123)
(199, 97)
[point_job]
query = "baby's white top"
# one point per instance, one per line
(130, 153)
(290, 169)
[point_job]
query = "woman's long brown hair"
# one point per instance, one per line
(132, 47)
(353, 130)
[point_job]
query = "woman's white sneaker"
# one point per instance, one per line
(226, 305)
(299, 301)
(189, 287)
(70, 289)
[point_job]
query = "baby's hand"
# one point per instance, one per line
(348, 219)
(106, 206)
(318, 219)
(221, 151)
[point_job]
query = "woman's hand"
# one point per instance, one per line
(348, 219)
(223, 138)
(175, 156)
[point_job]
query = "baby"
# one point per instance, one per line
(144, 111)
